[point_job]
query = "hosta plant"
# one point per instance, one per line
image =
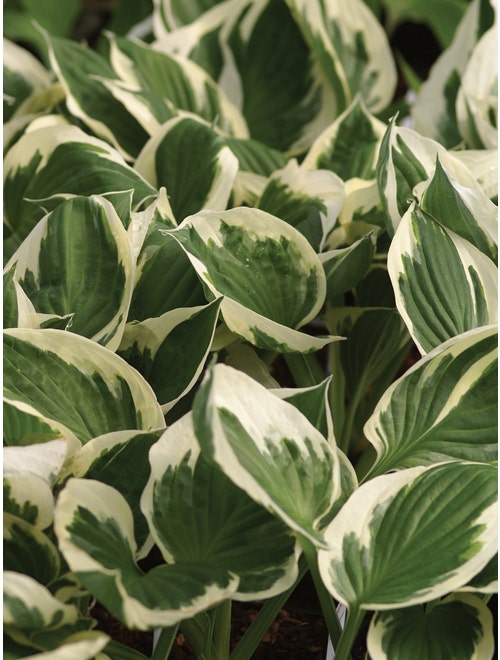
(250, 308)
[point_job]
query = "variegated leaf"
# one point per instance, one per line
(411, 536)
(41, 626)
(349, 147)
(23, 77)
(486, 581)
(94, 95)
(345, 267)
(278, 457)
(351, 48)
(459, 627)
(477, 99)
(77, 261)
(466, 211)
(443, 285)
(434, 110)
(406, 159)
(310, 201)
(170, 351)
(29, 474)
(483, 164)
(90, 390)
(165, 280)
(444, 407)
(181, 82)
(94, 527)
(197, 515)
(192, 162)
(28, 550)
(119, 459)
(269, 275)
(275, 82)
(60, 160)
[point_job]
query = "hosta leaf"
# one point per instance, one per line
(23, 425)
(176, 13)
(94, 526)
(313, 403)
(351, 48)
(83, 74)
(278, 458)
(443, 408)
(196, 514)
(120, 460)
(60, 160)
(183, 83)
(18, 310)
(486, 581)
(37, 621)
(411, 536)
(344, 268)
(269, 275)
(406, 159)
(29, 474)
(192, 162)
(460, 626)
(350, 146)
(309, 201)
(165, 279)
(23, 76)
(62, 275)
(170, 351)
(434, 110)
(77, 382)
(483, 164)
(27, 550)
(269, 75)
(467, 211)
(477, 99)
(442, 283)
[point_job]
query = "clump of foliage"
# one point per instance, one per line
(224, 237)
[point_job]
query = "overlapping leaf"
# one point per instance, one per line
(414, 633)
(269, 275)
(60, 160)
(95, 531)
(411, 536)
(76, 382)
(192, 162)
(443, 284)
(197, 515)
(170, 351)
(77, 263)
(277, 457)
(443, 408)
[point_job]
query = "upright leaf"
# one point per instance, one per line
(279, 458)
(443, 284)
(411, 536)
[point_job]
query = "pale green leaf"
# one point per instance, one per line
(278, 457)
(443, 408)
(76, 382)
(458, 627)
(411, 536)
(197, 515)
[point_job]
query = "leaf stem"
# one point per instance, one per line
(222, 629)
(165, 643)
(337, 390)
(324, 597)
(355, 616)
